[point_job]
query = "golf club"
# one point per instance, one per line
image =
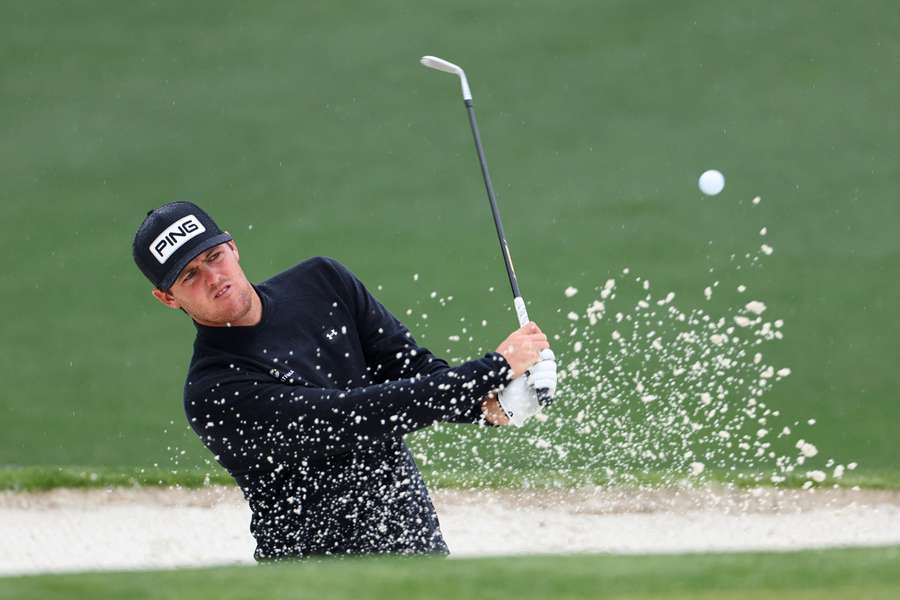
(439, 64)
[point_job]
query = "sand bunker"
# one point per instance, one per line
(68, 530)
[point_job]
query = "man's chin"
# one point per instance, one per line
(224, 316)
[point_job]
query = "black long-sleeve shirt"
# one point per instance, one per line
(308, 408)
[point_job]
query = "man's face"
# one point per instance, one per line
(212, 288)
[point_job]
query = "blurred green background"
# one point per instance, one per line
(310, 129)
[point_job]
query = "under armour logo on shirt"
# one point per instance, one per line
(332, 334)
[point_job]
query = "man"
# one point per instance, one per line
(303, 386)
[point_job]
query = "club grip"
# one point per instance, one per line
(521, 311)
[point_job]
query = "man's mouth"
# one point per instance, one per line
(222, 291)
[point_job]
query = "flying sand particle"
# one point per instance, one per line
(742, 321)
(817, 476)
(756, 307)
(806, 449)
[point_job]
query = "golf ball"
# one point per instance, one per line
(711, 182)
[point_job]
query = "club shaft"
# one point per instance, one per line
(504, 246)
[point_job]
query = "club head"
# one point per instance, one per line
(433, 62)
(439, 64)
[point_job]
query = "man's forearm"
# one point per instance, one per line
(327, 421)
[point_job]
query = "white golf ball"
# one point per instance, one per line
(711, 182)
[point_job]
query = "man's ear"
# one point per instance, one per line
(165, 298)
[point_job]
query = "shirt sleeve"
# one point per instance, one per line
(389, 347)
(240, 419)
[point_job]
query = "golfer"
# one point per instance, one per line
(304, 385)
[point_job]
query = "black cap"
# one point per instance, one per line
(170, 237)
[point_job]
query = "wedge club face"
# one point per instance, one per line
(439, 64)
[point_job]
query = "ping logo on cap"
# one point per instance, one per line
(174, 236)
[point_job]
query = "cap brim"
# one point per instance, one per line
(182, 262)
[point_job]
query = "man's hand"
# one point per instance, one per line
(525, 396)
(522, 348)
(519, 401)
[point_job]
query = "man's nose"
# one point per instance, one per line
(211, 277)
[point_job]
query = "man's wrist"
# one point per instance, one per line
(492, 412)
(500, 367)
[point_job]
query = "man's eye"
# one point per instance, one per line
(188, 276)
(214, 256)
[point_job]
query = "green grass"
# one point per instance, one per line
(871, 573)
(42, 478)
(314, 124)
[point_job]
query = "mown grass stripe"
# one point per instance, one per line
(41, 478)
(826, 574)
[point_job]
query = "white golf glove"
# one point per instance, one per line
(525, 396)
(543, 377)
